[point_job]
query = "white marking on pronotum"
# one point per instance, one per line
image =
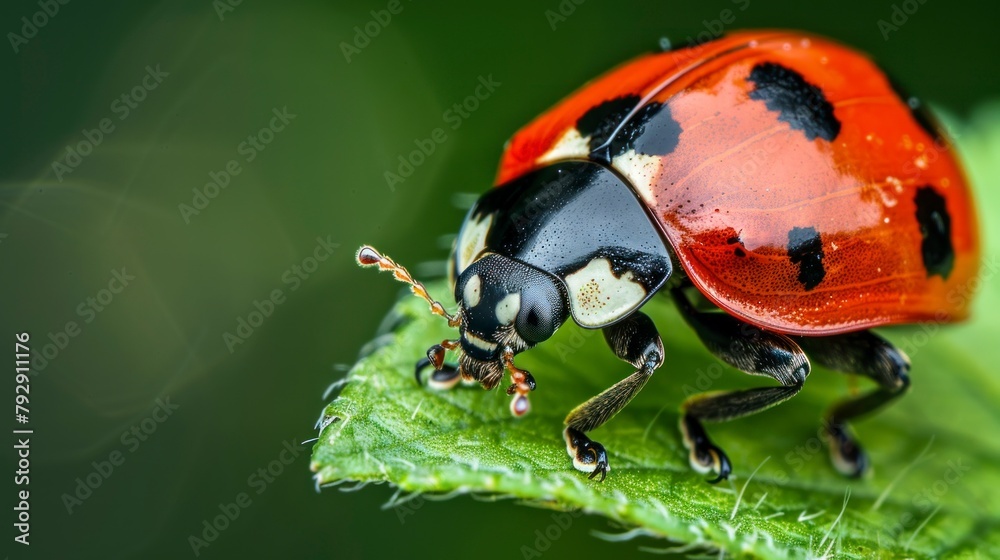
(570, 145)
(472, 241)
(479, 342)
(473, 291)
(508, 307)
(641, 170)
(599, 297)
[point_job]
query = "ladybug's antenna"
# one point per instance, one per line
(368, 256)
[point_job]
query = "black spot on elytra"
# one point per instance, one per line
(600, 121)
(799, 103)
(806, 250)
(935, 228)
(738, 251)
(918, 110)
(651, 131)
(689, 42)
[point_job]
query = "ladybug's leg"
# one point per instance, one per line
(635, 341)
(748, 349)
(864, 353)
(445, 376)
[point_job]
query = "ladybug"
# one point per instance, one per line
(774, 184)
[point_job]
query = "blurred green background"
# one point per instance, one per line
(220, 71)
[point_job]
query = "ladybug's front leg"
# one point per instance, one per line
(863, 353)
(445, 376)
(635, 341)
(442, 378)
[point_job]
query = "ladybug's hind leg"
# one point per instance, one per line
(748, 349)
(635, 341)
(863, 353)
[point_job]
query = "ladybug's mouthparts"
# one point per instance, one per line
(488, 373)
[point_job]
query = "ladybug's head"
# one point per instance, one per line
(505, 308)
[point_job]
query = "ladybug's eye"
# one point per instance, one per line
(539, 315)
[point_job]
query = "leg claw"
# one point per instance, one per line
(588, 455)
(705, 456)
(846, 454)
(711, 459)
(445, 377)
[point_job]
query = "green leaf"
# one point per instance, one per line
(934, 490)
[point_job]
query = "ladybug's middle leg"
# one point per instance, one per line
(863, 353)
(635, 341)
(748, 349)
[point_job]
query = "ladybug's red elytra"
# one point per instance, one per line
(775, 174)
